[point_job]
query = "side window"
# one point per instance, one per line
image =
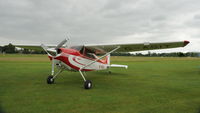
(89, 53)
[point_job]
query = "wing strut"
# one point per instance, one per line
(98, 58)
(88, 83)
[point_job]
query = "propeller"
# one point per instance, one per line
(54, 51)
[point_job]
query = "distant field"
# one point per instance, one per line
(149, 85)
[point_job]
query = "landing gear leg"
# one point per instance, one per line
(87, 83)
(51, 78)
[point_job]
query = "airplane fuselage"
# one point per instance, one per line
(71, 59)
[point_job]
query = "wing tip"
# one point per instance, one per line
(186, 42)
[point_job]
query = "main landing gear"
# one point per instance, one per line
(51, 78)
(87, 83)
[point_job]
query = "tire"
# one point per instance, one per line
(88, 84)
(50, 79)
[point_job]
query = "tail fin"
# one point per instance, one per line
(108, 59)
(113, 65)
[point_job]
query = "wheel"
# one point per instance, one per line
(50, 79)
(88, 84)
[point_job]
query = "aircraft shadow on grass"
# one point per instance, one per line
(93, 75)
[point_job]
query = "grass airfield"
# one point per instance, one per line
(149, 85)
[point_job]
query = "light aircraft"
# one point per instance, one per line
(84, 58)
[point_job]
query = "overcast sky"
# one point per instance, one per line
(100, 21)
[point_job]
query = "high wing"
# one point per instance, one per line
(131, 47)
(42, 47)
(31, 47)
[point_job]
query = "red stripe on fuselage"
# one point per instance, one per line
(66, 61)
(74, 59)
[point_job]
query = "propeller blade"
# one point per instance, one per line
(44, 47)
(49, 51)
(61, 44)
(52, 51)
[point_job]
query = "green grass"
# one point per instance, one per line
(149, 85)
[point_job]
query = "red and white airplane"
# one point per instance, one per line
(84, 58)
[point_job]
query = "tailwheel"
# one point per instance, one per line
(88, 84)
(50, 79)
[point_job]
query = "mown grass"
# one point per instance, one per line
(149, 85)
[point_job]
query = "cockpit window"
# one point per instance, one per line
(85, 51)
(89, 53)
(78, 48)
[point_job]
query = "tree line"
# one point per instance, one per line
(12, 49)
(173, 54)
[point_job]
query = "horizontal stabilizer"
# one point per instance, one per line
(116, 65)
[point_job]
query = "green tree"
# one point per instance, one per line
(9, 48)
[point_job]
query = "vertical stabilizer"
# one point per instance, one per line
(108, 59)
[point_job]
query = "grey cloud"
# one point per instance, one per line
(98, 21)
(197, 17)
